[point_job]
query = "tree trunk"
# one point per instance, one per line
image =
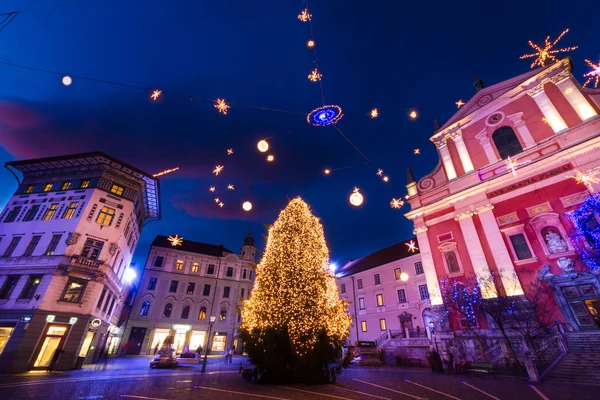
(481, 347)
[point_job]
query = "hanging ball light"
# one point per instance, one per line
(262, 146)
(404, 276)
(413, 114)
(270, 157)
(310, 44)
(247, 206)
(356, 198)
(327, 171)
(67, 80)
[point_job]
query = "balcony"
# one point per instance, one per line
(84, 262)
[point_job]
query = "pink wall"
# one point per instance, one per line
(561, 103)
(455, 158)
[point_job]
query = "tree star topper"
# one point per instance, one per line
(304, 15)
(594, 73)
(218, 169)
(222, 106)
(155, 94)
(412, 246)
(396, 203)
(175, 240)
(546, 54)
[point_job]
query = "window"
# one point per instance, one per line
(11, 246)
(202, 314)
(519, 244)
(70, 211)
(12, 215)
(168, 310)
(185, 313)
(47, 187)
(243, 274)
(29, 189)
(35, 239)
(382, 325)
(506, 142)
(343, 288)
(158, 261)
(190, 288)
(112, 305)
(105, 308)
(31, 213)
(359, 284)
(92, 249)
(65, 186)
(397, 273)
(195, 267)
(53, 244)
(101, 299)
(145, 308)
(49, 214)
(116, 189)
(423, 292)
(106, 216)
(361, 303)
(179, 265)
(229, 272)
(152, 284)
(223, 314)
(376, 279)
(210, 270)
(206, 290)
(418, 268)
(173, 288)
(9, 286)
(242, 293)
(379, 300)
(226, 291)
(74, 290)
(84, 184)
(363, 326)
(401, 296)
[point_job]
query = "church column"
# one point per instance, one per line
(517, 120)
(502, 257)
(576, 99)
(545, 104)
(433, 286)
(487, 146)
(447, 160)
(480, 265)
(463, 153)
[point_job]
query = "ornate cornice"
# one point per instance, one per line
(484, 208)
(420, 229)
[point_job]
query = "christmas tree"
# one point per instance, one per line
(294, 321)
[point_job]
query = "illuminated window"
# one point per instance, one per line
(379, 300)
(376, 279)
(195, 267)
(53, 244)
(223, 314)
(65, 186)
(179, 265)
(397, 273)
(168, 310)
(84, 184)
(363, 326)
(92, 249)
(14, 242)
(35, 239)
(423, 292)
(190, 288)
(506, 142)
(361, 303)
(49, 214)
(116, 189)
(202, 314)
(70, 211)
(12, 215)
(185, 313)
(73, 292)
(145, 308)
(418, 268)
(29, 189)
(106, 216)
(47, 187)
(31, 213)
(382, 325)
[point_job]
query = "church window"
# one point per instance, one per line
(506, 142)
(520, 246)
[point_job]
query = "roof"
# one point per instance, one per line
(395, 252)
(150, 187)
(191, 246)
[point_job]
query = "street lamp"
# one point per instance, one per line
(432, 330)
(212, 321)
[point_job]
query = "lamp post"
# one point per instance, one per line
(212, 321)
(432, 330)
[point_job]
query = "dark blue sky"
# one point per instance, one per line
(392, 55)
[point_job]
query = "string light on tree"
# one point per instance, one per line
(356, 198)
(230, 187)
(270, 158)
(326, 115)
(175, 240)
(594, 74)
(247, 206)
(218, 170)
(155, 94)
(413, 114)
(222, 106)
(412, 246)
(212, 188)
(396, 203)
(262, 146)
(166, 171)
(545, 54)
(417, 151)
(67, 80)
(229, 152)
(374, 113)
(459, 103)
(304, 15)
(315, 76)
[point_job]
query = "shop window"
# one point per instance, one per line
(5, 333)
(52, 341)
(168, 310)
(202, 313)
(74, 290)
(506, 142)
(87, 343)
(31, 286)
(223, 314)
(185, 313)
(145, 308)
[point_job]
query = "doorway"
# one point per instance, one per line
(51, 343)
(136, 339)
(584, 304)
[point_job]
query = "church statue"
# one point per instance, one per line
(555, 243)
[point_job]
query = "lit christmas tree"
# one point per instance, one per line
(294, 321)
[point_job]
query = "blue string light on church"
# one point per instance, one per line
(326, 115)
(586, 235)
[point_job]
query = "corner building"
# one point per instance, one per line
(182, 286)
(67, 236)
(501, 198)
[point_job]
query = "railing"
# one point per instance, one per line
(81, 261)
(384, 337)
(549, 356)
(408, 333)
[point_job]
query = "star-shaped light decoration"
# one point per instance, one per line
(315, 76)
(513, 164)
(229, 152)
(230, 187)
(212, 188)
(175, 240)
(217, 200)
(412, 246)
(304, 15)
(594, 74)
(221, 204)
(218, 169)
(396, 203)
(546, 54)
(406, 196)
(155, 94)
(379, 172)
(222, 106)
(374, 113)
(417, 151)
(587, 178)
(459, 103)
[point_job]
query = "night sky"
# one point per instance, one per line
(393, 55)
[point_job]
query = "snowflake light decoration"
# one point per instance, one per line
(587, 178)
(326, 115)
(218, 169)
(212, 188)
(511, 164)
(412, 246)
(374, 113)
(459, 103)
(379, 172)
(417, 151)
(304, 15)
(217, 200)
(222, 106)
(230, 187)
(229, 152)
(175, 240)
(546, 54)
(221, 204)
(594, 73)
(155, 94)
(396, 203)
(315, 76)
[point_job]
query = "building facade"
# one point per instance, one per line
(67, 236)
(500, 201)
(182, 287)
(386, 292)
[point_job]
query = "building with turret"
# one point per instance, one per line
(190, 292)
(67, 237)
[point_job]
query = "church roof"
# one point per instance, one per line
(191, 246)
(395, 252)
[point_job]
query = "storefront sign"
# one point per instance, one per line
(530, 181)
(72, 320)
(26, 318)
(96, 322)
(50, 318)
(178, 327)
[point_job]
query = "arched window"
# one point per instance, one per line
(185, 313)
(452, 262)
(145, 308)
(223, 314)
(168, 310)
(202, 314)
(506, 142)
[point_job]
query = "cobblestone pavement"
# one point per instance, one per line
(130, 378)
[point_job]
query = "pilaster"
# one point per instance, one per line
(487, 146)
(550, 112)
(577, 100)
(435, 295)
(447, 160)
(465, 159)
